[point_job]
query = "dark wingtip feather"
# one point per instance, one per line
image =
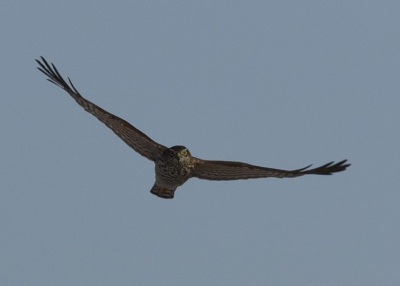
(328, 169)
(54, 76)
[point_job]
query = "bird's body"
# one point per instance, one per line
(173, 168)
(175, 165)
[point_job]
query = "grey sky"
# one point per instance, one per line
(275, 83)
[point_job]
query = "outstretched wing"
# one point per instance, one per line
(226, 170)
(136, 139)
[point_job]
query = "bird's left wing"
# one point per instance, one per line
(227, 170)
(136, 139)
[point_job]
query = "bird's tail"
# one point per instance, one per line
(162, 192)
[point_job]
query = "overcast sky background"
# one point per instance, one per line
(276, 83)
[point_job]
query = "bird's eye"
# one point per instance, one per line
(171, 153)
(184, 153)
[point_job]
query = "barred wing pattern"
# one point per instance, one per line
(227, 170)
(136, 139)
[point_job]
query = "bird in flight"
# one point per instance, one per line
(175, 165)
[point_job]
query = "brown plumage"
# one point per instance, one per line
(175, 165)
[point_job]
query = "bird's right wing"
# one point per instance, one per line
(228, 170)
(136, 139)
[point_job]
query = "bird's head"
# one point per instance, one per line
(179, 153)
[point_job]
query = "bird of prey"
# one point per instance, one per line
(175, 165)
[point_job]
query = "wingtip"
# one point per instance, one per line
(327, 169)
